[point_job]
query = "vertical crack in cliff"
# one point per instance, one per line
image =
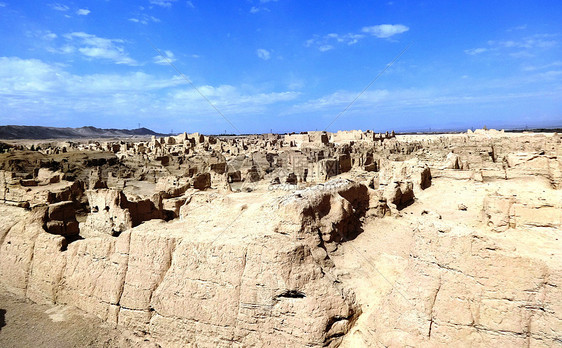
(124, 277)
(163, 271)
(29, 272)
(239, 292)
(3, 236)
(431, 315)
(57, 283)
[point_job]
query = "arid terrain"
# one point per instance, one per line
(347, 239)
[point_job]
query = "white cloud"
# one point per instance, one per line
(82, 12)
(542, 67)
(475, 51)
(263, 54)
(329, 41)
(92, 46)
(169, 58)
(163, 3)
(384, 31)
(551, 74)
(50, 36)
(144, 19)
(229, 99)
(384, 101)
(520, 27)
(3, 4)
(254, 9)
(525, 47)
(536, 41)
(295, 83)
(35, 91)
(339, 100)
(349, 39)
(190, 4)
(27, 76)
(46, 35)
(59, 7)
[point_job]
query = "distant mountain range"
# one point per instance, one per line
(37, 132)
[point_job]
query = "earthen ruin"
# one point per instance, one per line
(347, 239)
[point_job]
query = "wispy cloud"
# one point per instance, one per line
(519, 27)
(59, 7)
(536, 41)
(525, 47)
(229, 99)
(3, 4)
(163, 3)
(144, 19)
(327, 42)
(475, 51)
(92, 46)
(542, 67)
(190, 4)
(83, 12)
(416, 99)
(263, 54)
(33, 75)
(30, 87)
(256, 9)
(169, 58)
(46, 35)
(384, 31)
(338, 100)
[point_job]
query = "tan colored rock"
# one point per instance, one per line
(107, 213)
(497, 212)
(202, 181)
(399, 249)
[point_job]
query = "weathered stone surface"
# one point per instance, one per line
(107, 213)
(202, 181)
(240, 241)
(16, 254)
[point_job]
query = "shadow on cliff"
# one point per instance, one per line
(358, 196)
(2, 318)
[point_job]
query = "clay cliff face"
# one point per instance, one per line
(347, 239)
(222, 286)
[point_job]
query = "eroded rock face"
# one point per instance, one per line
(108, 213)
(226, 286)
(205, 241)
(475, 292)
(112, 213)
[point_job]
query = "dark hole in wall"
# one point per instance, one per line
(2, 318)
(292, 294)
(68, 240)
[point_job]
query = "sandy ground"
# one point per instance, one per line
(26, 324)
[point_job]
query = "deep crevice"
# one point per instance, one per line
(68, 240)
(292, 294)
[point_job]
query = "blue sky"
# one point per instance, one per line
(281, 65)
